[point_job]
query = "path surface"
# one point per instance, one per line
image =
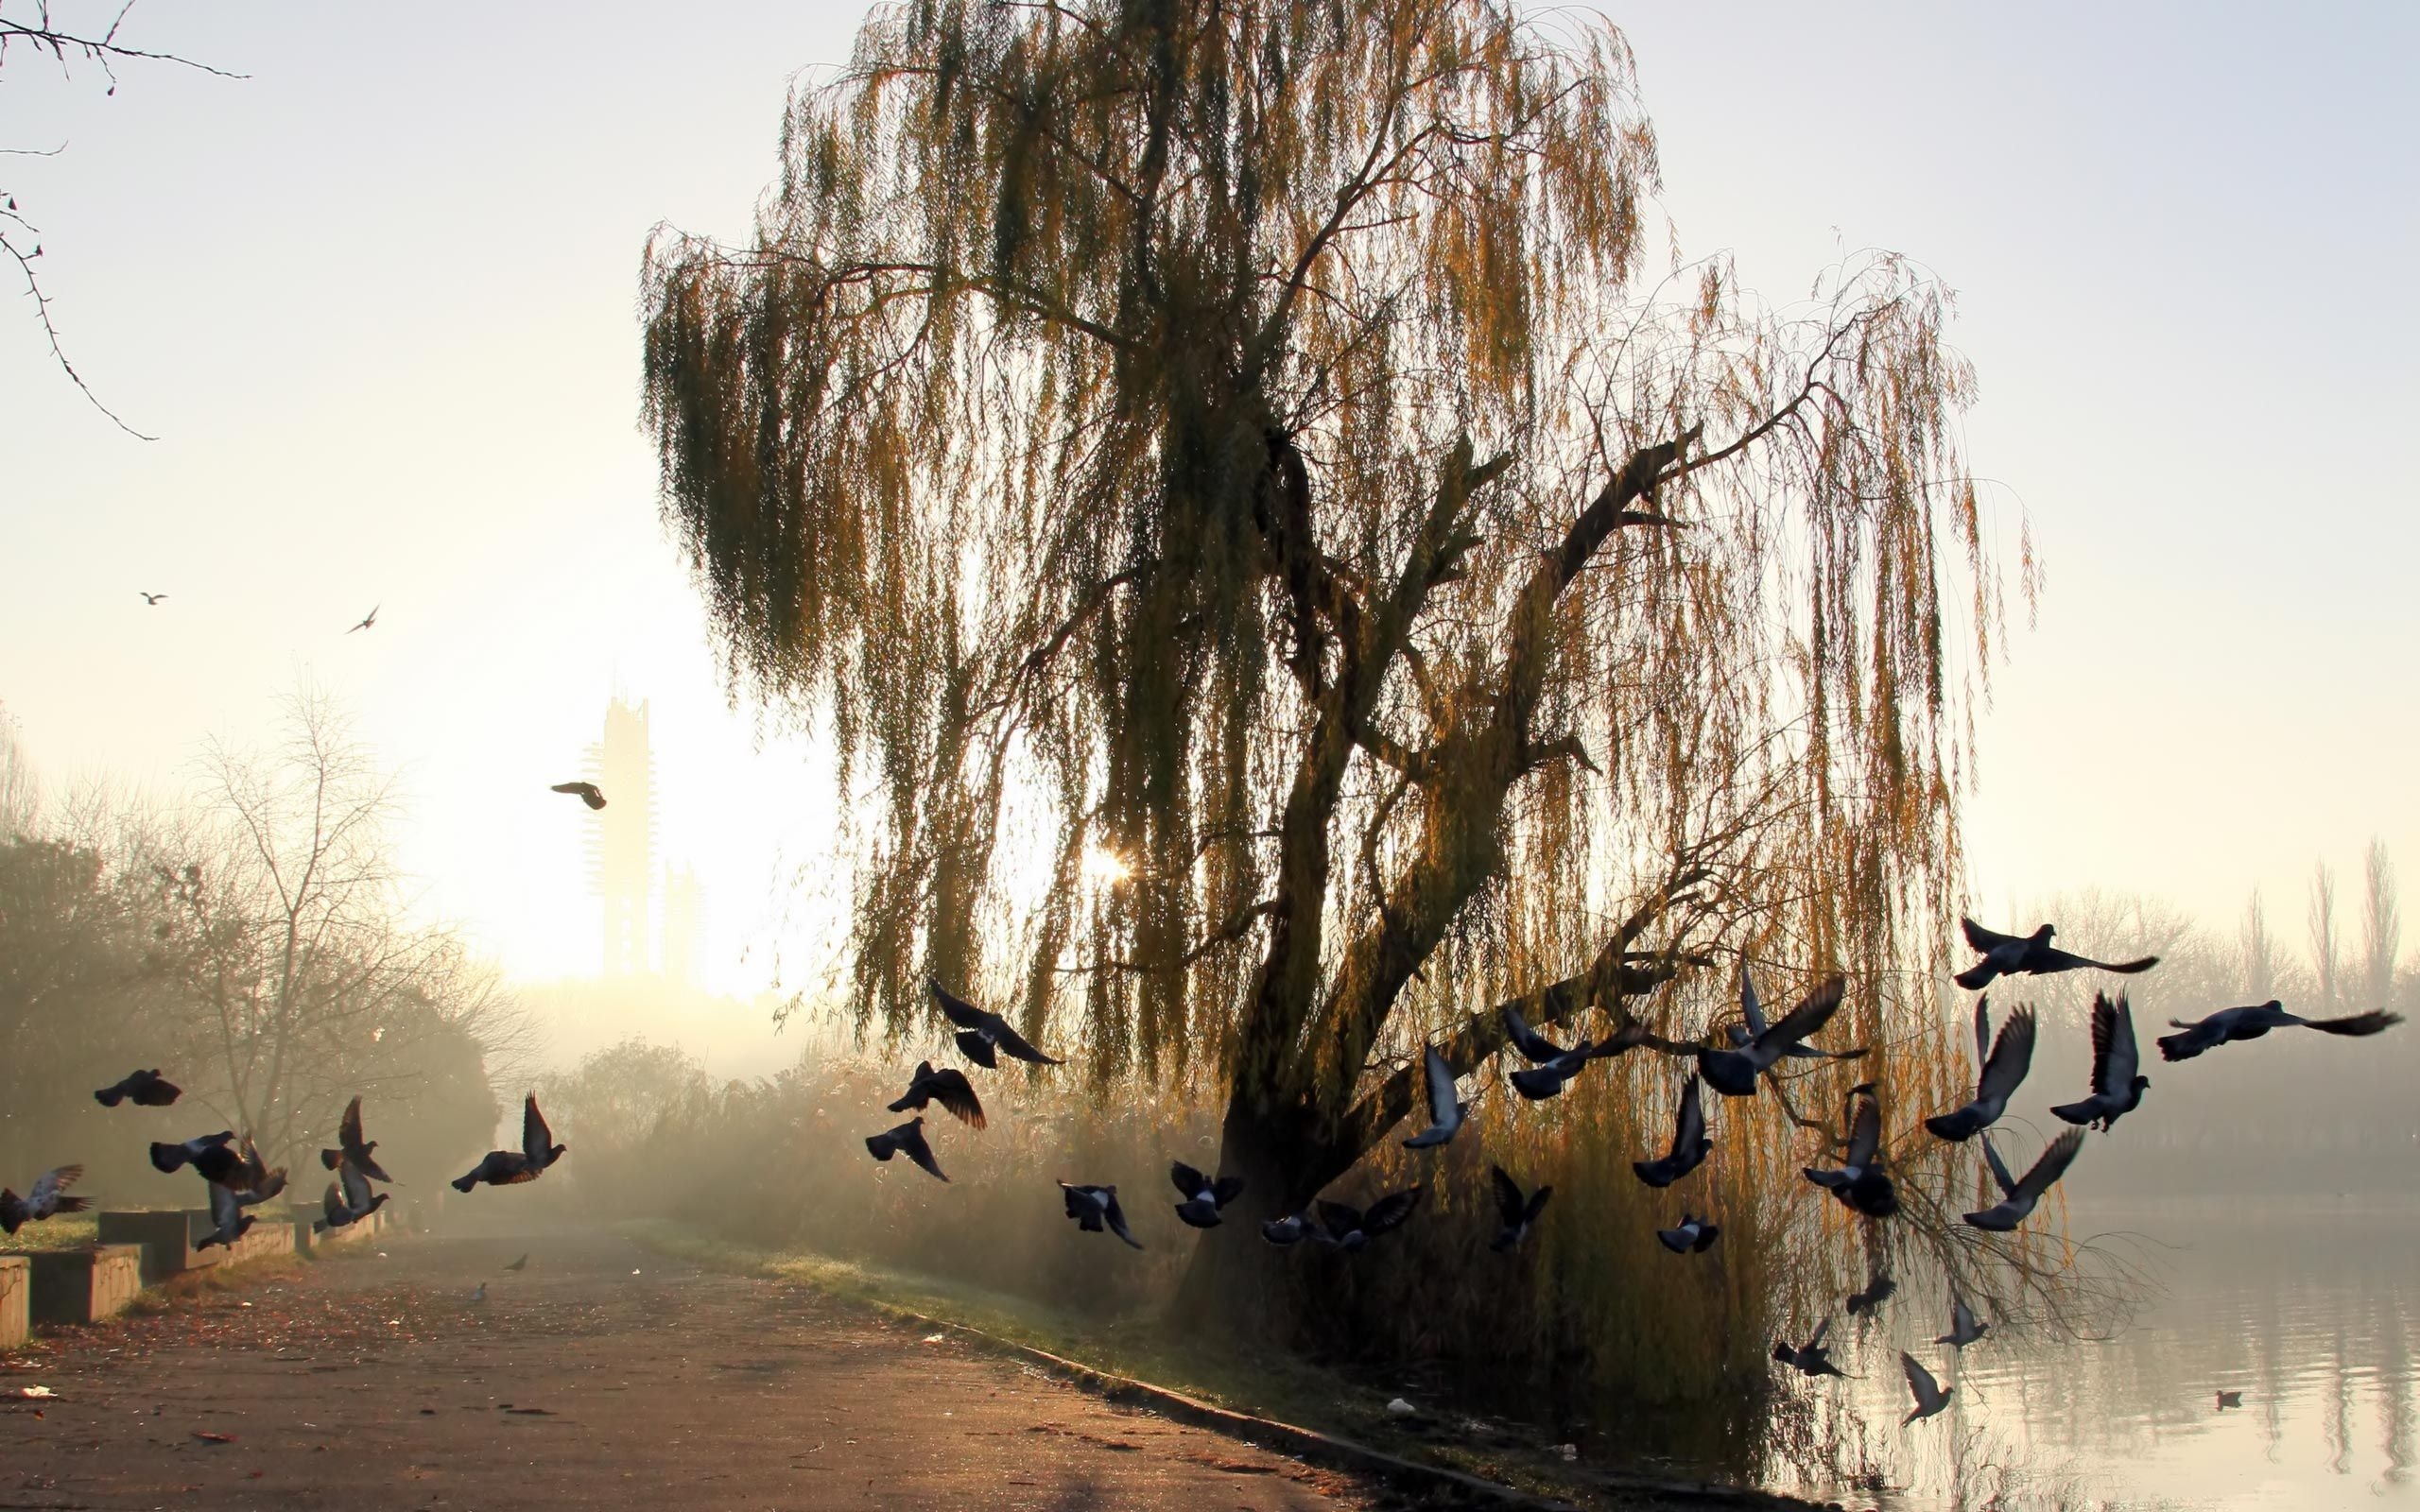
(603, 1377)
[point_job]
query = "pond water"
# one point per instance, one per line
(2310, 1309)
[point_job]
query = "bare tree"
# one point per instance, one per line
(2326, 946)
(2259, 951)
(2381, 926)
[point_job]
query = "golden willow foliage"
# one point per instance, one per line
(1245, 439)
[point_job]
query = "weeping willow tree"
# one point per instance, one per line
(1285, 577)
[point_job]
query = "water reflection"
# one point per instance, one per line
(2306, 1309)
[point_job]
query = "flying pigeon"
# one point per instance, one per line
(1929, 1396)
(1203, 1197)
(588, 793)
(2230, 1025)
(947, 1087)
(1810, 1358)
(1352, 1228)
(2230, 1399)
(909, 1139)
(511, 1168)
(152, 599)
(260, 1183)
(1878, 1291)
(2011, 1058)
(349, 1200)
(209, 1154)
(1519, 1213)
(523, 1263)
(2029, 955)
(1092, 1207)
(229, 1222)
(47, 1200)
(980, 1033)
(1734, 1073)
(2116, 1089)
(1551, 1065)
(1964, 1327)
(2022, 1195)
(1445, 1114)
(1292, 1229)
(368, 619)
(143, 1089)
(350, 1147)
(1690, 1236)
(1689, 1143)
(1752, 1015)
(1859, 1181)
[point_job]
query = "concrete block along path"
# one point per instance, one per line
(603, 1377)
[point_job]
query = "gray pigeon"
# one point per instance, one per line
(982, 1036)
(2004, 1068)
(1551, 1065)
(227, 1220)
(2029, 955)
(1964, 1327)
(1352, 1228)
(1203, 1197)
(2230, 1025)
(2023, 1194)
(1689, 1143)
(47, 1200)
(1751, 1024)
(508, 1168)
(1445, 1114)
(348, 1201)
(1094, 1207)
(1292, 1229)
(208, 1154)
(1860, 1182)
(352, 1146)
(260, 1183)
(2116, 1089)
(143, 1089)
(1519, 1213)
(947, 1087)
(1878, 1291)
(1689, 1236)
(1930, 1396)
(1810, 1358)
(907, 1140)
(1734, 1073)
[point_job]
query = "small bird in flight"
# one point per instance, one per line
(1095, 1207)
(588, 793)
(2230, 1025)
(152, 599)
(144, 1088)
(983, 1037)
(2029, 955)
(351, 1149)
(368, 619)
(1445, 1112)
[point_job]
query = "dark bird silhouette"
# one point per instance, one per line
(152, 599)
(229, 1222)
(588, 793)
(1751, 1024)
(352, 1146)
(2029, 955)
(947, 1087)
(980, 1033)
(2116, 1089)
(1689, 1143)
(1929, 1396)
(2023, 1194)
(1292, 1229)
(1445, 1114)
(348, 1201)
(1878, 1291)
(1964, 1327)
(1519, 1214)
(2230, 1025)
(1860, 1182)
(47, 1200)
(143, 1089)
(1095, 1207)
(368, 619)
(907, 1140)
(2230, 1399)
(1203, 1197)
(2010, 1057)
(1551, 1065)
(523, 1263)
(1734, 1073)
(208, 1154)
(1352, 1228)
(1690, 1236)
(260, 1183)
(511, 1168)
(1810, 1358)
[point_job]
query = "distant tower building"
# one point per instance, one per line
(621, 848)
(681, 923)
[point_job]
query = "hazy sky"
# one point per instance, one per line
(378, 302)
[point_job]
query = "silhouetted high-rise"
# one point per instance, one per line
(622, 843)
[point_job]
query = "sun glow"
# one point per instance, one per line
(1106, 865)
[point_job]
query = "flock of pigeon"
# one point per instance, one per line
(1754, 1047)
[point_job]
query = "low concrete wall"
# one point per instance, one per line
(165, 1239)
(85, 1286)
(16, 1299)
(263, 1239)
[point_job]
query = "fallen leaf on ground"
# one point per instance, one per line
(214, 1438)
(37, 1392)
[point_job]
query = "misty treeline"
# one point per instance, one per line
(250, 939)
